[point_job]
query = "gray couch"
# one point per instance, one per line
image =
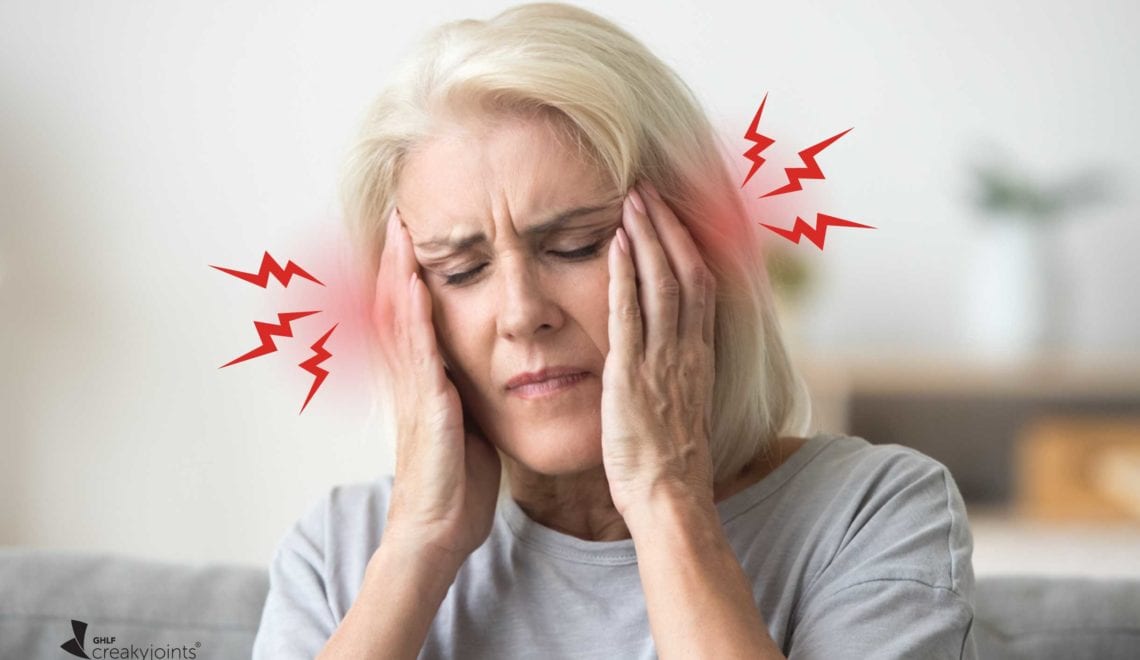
(54, 598)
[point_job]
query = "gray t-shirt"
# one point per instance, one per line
(853, 550)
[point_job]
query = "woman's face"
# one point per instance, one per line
(529, 292)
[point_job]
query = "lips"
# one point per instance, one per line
(529, 377)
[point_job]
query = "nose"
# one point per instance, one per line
(525, 308)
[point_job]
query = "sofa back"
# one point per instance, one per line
(56, 598)
(1024, 616)
(213, 609)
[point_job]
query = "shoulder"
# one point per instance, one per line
(352, 504)
(345, 518)
(848, 465)
(358, 501)
(323, 555)
(317, 568)
(893, 513)
(860, 458)
(890, 572)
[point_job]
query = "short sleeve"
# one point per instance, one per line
(887, 619)
(297, 619)
(901, 582)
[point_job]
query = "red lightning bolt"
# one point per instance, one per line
(310, 365)
(815, 234)
(762, 142)
(267, 331)
(811, 171)
(270, 267)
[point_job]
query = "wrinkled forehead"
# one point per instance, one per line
(491, 175)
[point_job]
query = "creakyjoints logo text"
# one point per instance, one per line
(103, 647)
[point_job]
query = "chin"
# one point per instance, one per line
(560, 435)
(555, 449)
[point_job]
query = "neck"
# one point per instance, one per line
(580, 505)
(577, 504)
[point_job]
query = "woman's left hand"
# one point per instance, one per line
(657, 383)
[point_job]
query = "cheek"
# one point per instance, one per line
(465, 332)
(591, 305)
(455, 325)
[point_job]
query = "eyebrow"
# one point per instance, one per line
(547, 226)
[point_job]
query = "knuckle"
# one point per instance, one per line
(418, 360)
(668, 286)
(702, 277)
(629, 311)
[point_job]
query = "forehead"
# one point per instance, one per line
(475, 176)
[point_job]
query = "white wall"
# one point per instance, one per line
(140, 142)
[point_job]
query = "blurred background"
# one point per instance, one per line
(989, 319)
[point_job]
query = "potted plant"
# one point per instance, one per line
(1020, 283)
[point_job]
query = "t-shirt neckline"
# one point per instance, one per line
(611, 553)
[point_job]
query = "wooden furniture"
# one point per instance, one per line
(1079, 468)
(966, 413)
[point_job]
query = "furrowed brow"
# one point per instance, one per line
(558, 220)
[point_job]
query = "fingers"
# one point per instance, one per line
(384, 309)
(625, 321)
(696, 306)
(402, 311)
(708, 331)
(424, 353)
(419, 350)
(659, 291)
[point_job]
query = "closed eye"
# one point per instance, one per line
(571, 255)
(580, 253)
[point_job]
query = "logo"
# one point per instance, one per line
(74, 646)
(105, 646)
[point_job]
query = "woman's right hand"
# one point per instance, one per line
(446, 481)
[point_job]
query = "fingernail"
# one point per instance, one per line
(636, 199)
(412, 285)
(649, 188)
(621, 239)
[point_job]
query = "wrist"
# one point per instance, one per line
(401, 593)
(413, 544)
(432, 565)
(670, 509)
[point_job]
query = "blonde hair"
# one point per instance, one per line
(636, 119)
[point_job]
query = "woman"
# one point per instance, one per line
(597, 425)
